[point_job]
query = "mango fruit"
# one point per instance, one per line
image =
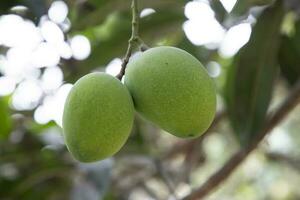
(173, 90)
(98, 117)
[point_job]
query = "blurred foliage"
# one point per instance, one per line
(5, 119)
(289, 55)
(251, 78)
(31, 172)
(243, 7)
(35, 164)
(37, 8)
(6, 5)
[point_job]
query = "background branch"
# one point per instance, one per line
(218, 177)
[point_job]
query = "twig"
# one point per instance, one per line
(223, 173)
(134, 39)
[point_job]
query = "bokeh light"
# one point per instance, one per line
(202, 27)
(58, 11)
(27, 95)
(52, 106)
(114, 67)
(236, 37)
(51, 79)
(146, 12)
(51, 32)
(81, 47)
(228, 4)
(214, 69)
(7, 85)
(30, 67)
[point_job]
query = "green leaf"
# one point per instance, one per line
(5, 120)
(289, 59)
(289, 55)
(6, 5)
(88, 18)
(99, 3)
(251, 78)
(36, 8)
(220, 12)
(242, 7)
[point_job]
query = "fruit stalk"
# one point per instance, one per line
(134, 39)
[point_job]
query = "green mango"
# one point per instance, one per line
(172, 89)
(98, 117)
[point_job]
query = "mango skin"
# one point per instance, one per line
(98, 117)
(173, 90)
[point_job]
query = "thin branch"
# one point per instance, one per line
(287, 106)
(134, 39)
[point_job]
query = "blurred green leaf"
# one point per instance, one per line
(30, 171)
(242, 7)
(103, 8)
(6, 5)
(289, 55)
(261, 2)
(289, 59)
(220, 12)
(5, 120)
(36, 8)
(251, 78)
(99, 3)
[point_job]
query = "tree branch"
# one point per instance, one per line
(286, 107)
